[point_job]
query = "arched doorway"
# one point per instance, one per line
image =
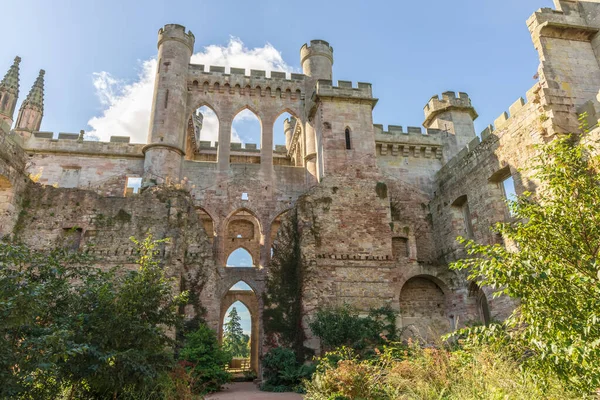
(423, 309)
(481, 303)
(241, 297)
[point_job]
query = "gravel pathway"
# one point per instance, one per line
(249, 391)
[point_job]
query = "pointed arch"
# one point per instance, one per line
(241, 285)
(206, 122)
(250, 300)
(348, 138)
(240, 258)
(246, 127)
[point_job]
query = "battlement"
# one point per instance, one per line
(71, 143)
(200, 69)
(568, 21)
(177, 33)
(506, 117)
(344, 89)
(450, 101)
(240, 147)
(317, 47)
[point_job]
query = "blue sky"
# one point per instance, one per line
(408, 50)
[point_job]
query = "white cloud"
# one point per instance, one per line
(127, 105)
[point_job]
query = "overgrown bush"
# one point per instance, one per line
(282, 372)
(417, 373)
(343, 326)
(68, 327)
(555, 273)
(205, 360)
(282, 316)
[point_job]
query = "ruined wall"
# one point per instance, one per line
(85, 221)
(69, 162)
(13, 181)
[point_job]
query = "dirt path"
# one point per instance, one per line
(249, 391)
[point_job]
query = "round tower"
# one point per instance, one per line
(168, 122)
(317, 59)
(288, 128)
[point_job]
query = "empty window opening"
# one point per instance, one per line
(241, 285)
(246, 129)
(244, 196)
(461, 207)
(239, 236)
(133, 185)
(240, 258)
(348, 142)
(283, 130)
(508, 187)
(206, 126)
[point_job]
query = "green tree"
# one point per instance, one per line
(288, 273)
(205, 360)
(343, 326)
(234, 339)
(66, 324)
(552, 266)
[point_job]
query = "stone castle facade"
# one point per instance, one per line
(379, 209)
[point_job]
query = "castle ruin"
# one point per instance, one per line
(379, 208)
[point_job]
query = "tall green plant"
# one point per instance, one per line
(552, 265)
(69, 325)
(284, 289)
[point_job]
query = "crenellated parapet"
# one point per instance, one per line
(450, 101)
(345, 89)
(317, 59)
(412, 143)
(216, 79)
(176, 32)
(73, 143)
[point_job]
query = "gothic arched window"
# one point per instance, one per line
(348, 143)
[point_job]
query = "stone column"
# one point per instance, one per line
(310, 158)
(224, 148)
(266, 142)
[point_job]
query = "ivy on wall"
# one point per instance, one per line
(282, 316)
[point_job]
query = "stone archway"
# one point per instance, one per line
(249, 299)
(243, 231)
(424, 309)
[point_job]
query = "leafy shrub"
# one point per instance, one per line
(281, 371)
(69, 327)
(342, 326)
(416, 373)
(205, 361)
(555, 272)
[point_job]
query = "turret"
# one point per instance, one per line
(168, 122)
(32, 109)
(288, 127)
(9, 93)
(453, 116)
(317, 59)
